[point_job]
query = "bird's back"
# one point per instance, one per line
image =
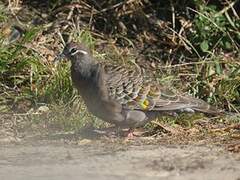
(133, 91)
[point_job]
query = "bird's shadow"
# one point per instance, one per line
(90, 133)
(97, 133)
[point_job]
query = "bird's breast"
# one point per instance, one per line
(95, 97)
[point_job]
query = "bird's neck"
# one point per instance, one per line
(83, 68)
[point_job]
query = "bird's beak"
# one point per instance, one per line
(59, 58)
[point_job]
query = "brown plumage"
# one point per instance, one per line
(121, 96)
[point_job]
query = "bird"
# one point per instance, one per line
(124, 96)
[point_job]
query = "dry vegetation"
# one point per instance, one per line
(191, 45)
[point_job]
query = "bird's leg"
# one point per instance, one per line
(130, 134)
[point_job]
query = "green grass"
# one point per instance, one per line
(214, 30)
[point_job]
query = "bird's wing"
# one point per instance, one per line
(123, 84)
(130, 89)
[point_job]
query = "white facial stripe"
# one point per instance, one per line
(79, 51)
(83, 52)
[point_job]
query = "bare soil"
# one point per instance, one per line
(60, 156)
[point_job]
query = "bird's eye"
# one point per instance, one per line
(73, 51)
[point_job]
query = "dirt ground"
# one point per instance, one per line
(70, 156)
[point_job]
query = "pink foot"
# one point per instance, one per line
(130, 135)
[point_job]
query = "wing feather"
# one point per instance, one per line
(129, 89)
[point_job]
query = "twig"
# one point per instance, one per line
(165, 127)
(227, 8)
(173, 20)
(209, 19)
(188, 64)
(186, 41)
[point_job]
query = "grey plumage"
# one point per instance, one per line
(121, 96)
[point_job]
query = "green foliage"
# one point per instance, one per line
(83, 36)
(59, 87)
(228, 89)
(218, 82)
(214, 30)
(21, 70)
(61, 117)
(3, 15)
(30, 34)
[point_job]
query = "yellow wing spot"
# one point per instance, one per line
(144, 104)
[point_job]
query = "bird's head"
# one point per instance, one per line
(75, 52)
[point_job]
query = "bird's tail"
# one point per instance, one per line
(202, 106)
